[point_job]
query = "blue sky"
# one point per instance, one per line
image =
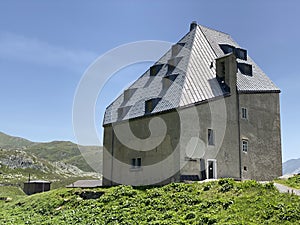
(45, 47)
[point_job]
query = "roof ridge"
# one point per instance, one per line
(213, 29)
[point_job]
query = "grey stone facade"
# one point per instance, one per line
(224, 120)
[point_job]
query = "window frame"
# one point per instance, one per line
(245, 145)
(210, 137)
(136, 163)
(244, 113)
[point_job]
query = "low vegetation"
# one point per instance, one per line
(219, 202)
(293, 182)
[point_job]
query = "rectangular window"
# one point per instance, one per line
(245, 146)
(133, 162)
(136, 163)
(210, 137)
(244, 113)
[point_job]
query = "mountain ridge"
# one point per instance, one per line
(8, 141)
(65, 151)
(291, 166)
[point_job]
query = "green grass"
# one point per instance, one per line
(9, 191)
(293, 182)
(13, 142)
(220, 202)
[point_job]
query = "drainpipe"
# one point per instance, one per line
(112, 154)
(239, 132)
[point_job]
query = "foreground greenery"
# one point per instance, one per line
(218, 202)
(7, 191)
(293, 182)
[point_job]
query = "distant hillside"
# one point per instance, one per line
(291, 166)
(56, 151)
(7, 141)
(68, 152)
(16, 165)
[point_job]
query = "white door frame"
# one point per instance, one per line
(214, 168)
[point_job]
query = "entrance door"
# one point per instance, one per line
(211, 169)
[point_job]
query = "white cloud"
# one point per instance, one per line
(30, 50)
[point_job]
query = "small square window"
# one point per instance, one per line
(136, 163)
(245, 145)
(244, 113)
(210, 137)
(245, 168)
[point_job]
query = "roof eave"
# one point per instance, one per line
(258, 91)
(170, 110)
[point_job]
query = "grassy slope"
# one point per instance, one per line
(64, 151)
(55, 151)
(8, 191)
(293, 182)
(222, 202)
(13, 142)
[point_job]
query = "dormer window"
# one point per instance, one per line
(128, 93)
(227, 48)
(172, 63)
(238, 52)
(122, 112)
(177, 48)
(155, 69)
(168, 80)
(151, 104)
(245, 68)
(241, 53)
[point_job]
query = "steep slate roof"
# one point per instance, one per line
(195, 78)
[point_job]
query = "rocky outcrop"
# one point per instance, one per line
(19, 159)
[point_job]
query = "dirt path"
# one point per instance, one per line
(284, 189)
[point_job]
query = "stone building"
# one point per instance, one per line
(204, 110)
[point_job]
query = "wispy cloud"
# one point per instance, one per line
(31, 50)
